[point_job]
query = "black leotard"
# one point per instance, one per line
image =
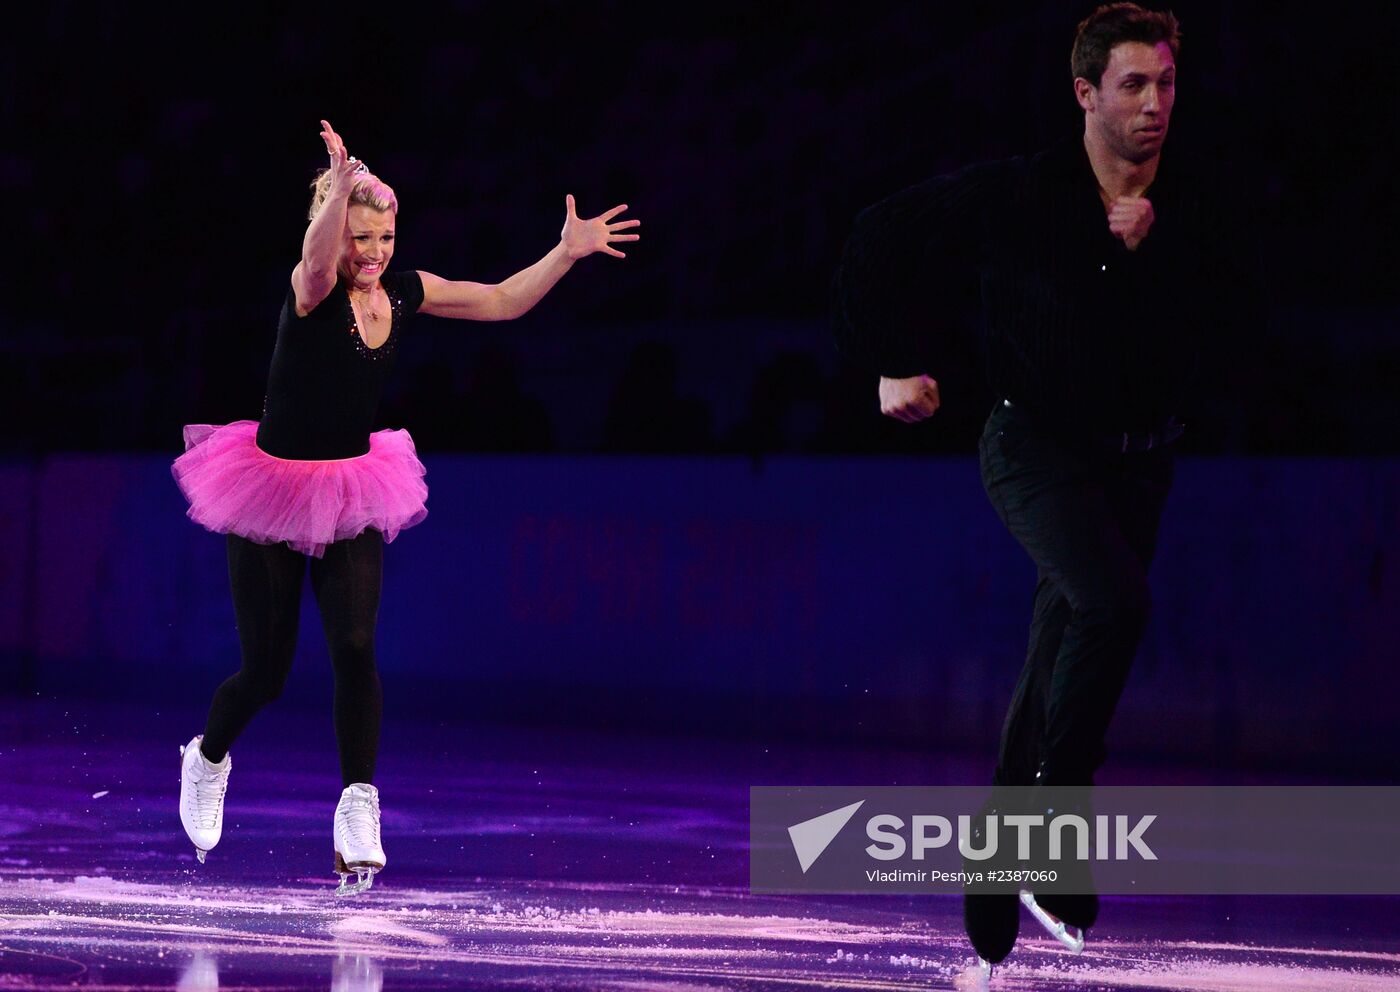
(324, 386)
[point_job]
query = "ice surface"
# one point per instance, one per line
(623, 868)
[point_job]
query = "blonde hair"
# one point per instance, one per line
(369, 190)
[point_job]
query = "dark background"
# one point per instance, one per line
(157, 160)
(155, 172)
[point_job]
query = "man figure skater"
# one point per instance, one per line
(1090, 257)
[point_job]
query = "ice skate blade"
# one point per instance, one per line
(199, 855)
(1070, 937)
(364, 877)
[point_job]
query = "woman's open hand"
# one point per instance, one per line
(583, 237)
(342, 166)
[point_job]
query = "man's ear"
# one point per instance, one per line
(1085, 93)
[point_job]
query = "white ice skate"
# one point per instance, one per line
(1070, 937)
(357, 847)
(202, 788)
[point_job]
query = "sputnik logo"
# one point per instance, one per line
(811, 837)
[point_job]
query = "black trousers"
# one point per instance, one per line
(266, 580)
(1088, 518)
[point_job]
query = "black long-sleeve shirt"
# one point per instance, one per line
(1073, 325)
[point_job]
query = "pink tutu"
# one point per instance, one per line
(234, 487)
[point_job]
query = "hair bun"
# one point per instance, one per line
(368, 190)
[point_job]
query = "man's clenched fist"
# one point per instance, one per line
(1129, 218)
(909, 400)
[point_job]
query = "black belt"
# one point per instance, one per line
(1130, 441)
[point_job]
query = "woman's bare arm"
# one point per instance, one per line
(314, 277)
(502, 301)
(512, 297)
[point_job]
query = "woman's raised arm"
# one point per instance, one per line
(315, 275)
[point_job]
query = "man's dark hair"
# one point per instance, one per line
(1112, 24)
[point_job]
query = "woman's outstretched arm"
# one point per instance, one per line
(512, 297)
(314, 277)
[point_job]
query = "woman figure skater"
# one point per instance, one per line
(311, 480)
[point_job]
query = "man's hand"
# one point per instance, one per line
(1130, 218)
(909, 400)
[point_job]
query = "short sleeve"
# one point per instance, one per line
(289, 314)
(408, 285)
(289, 308)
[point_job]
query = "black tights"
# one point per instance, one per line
(266, 580)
